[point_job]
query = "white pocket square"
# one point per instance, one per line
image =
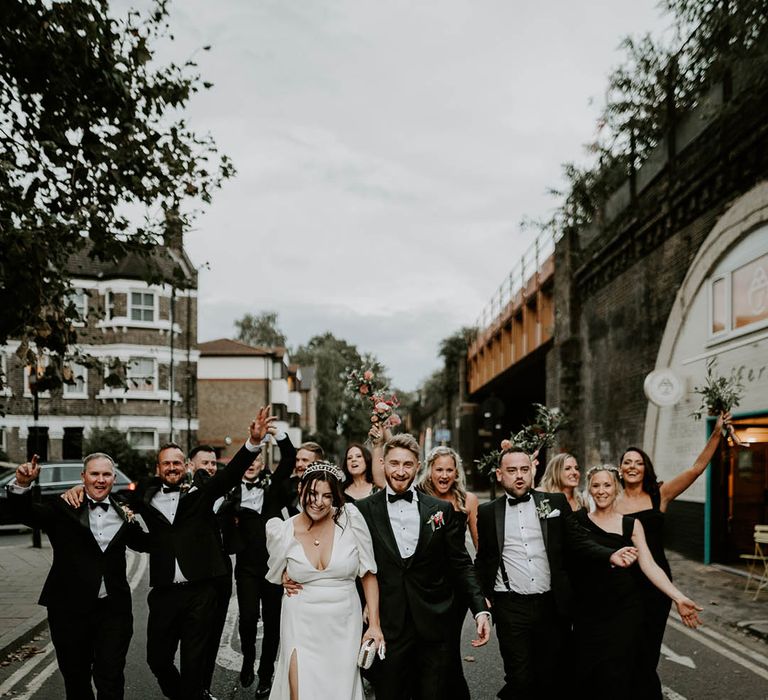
(553, 514)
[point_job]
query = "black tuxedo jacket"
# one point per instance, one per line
(193, 538)
(243, 528)
(564, 540)
(78, 562)
(420, 590)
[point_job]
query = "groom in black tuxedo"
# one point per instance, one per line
(422, 565)
(525, 538)
(86, 592)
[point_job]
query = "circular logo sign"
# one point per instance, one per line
(663, 387)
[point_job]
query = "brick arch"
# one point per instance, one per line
(746, 214)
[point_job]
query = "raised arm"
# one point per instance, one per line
(377, 437)
(287, 461)
(20, 496)
(685, 606)
(671, 489)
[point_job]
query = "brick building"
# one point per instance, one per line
(234, 380)
(674, 275)
(151, 329)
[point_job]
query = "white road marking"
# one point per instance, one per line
(741, 648)
(671, 694)
(719, 648)
(670, 655)
(140, 562)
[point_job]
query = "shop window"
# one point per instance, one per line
(718, 306)
(750, 293)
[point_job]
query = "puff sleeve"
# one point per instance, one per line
(279, 533)
(362, 539)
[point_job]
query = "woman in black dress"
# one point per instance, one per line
(609, 609)
(646, 500)
(357, 466)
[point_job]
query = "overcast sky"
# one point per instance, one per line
(386, 154)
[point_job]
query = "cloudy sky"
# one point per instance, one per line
(386, 154)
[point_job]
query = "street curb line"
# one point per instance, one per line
(11, 641)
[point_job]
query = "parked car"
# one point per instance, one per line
(55, 478)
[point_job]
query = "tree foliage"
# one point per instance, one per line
(655, 83)
(94, 154)
(260, 330)
(340, 419)
(114, 443)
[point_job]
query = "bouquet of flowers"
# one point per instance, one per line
(719, 394)
(362, 382)
(541, 433)
(384, 406)
(488, 462)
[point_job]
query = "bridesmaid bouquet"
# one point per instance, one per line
(719, 394)
(364, 384)
(541, 433)
(384, 406)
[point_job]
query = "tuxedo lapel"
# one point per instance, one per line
(123, 516)
(543, 522)
(384, 527)
(499, 513)
(426, 511)
(149, 494)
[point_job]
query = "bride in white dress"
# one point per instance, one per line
(325, 548)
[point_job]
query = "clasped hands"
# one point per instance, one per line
(624, 557)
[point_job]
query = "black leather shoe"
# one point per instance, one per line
(246, 673)
(263, 688)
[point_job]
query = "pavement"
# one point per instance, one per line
(718, 589)
(22, 572)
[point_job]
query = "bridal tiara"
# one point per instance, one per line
(328, 467)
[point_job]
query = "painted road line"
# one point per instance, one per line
(746, 651)
(671, 694)
(27, 667)
(719, 648)
(670, 655)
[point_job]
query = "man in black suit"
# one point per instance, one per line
(245, 512)
(186, 560)
(87, 575)
(203, 465)
(525, 539)
(422, 564)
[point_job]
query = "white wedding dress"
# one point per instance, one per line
(323, 622)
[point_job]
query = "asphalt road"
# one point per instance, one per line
(708, 663)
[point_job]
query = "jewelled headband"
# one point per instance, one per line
(327, 467)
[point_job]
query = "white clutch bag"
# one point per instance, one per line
(367, 654)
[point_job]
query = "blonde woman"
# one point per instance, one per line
(443, 477)
(562, 476)
(608, 615)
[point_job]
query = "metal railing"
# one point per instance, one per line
(519, 276)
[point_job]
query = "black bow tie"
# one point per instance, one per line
(522, 499)
(172, 489)
(98, 504)
(404, 496)
(252, 485)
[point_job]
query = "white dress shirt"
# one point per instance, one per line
(524, 555)
(104, 526)
(406, 522)
(252, 498)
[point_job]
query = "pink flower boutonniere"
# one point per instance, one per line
(128, 513)
(436, 520)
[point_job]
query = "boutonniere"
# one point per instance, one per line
(543, 509)
(436, 520)
(128, 513)
(264, 478)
